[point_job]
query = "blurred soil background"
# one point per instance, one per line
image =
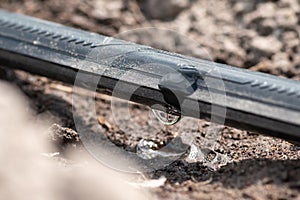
(261, 35)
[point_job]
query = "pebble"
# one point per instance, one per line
(164, 10)
(242, 7)
(281, 63)
(107, 9)
(286, 19)
(265, 46)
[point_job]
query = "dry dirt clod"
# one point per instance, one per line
(64, 139)
(265, 46)
(107, 9)
(164, 10)
(104, 123)
(281, 64)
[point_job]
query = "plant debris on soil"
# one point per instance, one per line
(261, 35)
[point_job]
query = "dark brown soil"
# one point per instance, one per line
(232, 32)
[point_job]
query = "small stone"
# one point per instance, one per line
(291, 4)
(242, 7)
(164, 10)
(107, 9)
(281, 63)
(262, 66)
(263, 11)
(266, 27)
(233, 47)
(291, 40)
(285, 18)
(265, 46)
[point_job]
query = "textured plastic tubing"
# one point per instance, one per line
(253, 101)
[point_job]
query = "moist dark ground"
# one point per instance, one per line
(260, 35)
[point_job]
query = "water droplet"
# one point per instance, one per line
(207, 157)
(145, 149)
(148, 149)
(35, 42)
(165, 117)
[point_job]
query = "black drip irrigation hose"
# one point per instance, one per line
(184, 85)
